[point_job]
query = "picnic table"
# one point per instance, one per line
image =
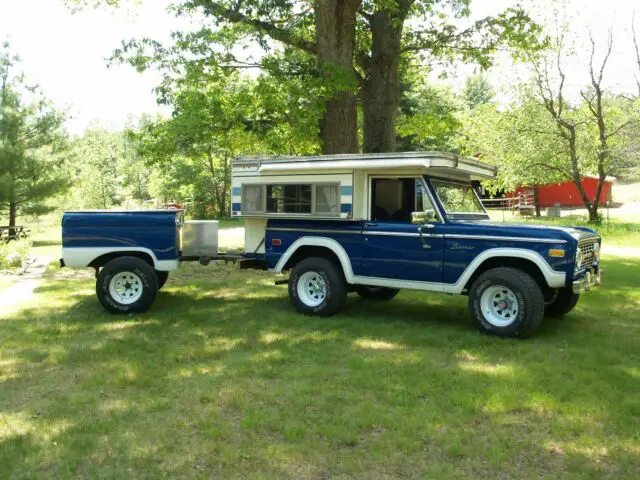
(13, 233)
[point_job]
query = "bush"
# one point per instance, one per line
(14, 254)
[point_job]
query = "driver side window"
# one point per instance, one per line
(398, 199)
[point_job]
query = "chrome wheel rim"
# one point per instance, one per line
(499, 306)
(312, 289)
(126, 288)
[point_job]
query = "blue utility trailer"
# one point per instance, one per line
(370, 224)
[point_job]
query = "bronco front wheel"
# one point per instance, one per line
(506, 302)
(562, 302)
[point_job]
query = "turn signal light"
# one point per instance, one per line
(556, 252)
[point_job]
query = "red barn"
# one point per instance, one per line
(566, 194)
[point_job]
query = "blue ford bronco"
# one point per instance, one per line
(370, 224)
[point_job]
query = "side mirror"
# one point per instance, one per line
(422, 218)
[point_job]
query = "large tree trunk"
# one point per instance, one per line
(536, 200)
(335, 34)
(380, 88)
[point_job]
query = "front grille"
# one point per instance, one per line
(590, 254)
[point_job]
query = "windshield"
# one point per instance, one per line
(458, 199)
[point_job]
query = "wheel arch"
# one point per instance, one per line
(526, 260)
(307, 247)
(105, 258)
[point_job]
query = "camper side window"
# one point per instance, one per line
(289, 199)
(328, 198)
(252, 199)
(321, 199)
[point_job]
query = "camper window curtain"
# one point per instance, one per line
(252, 199)
(328, 198)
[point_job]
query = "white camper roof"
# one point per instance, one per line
(436, 163)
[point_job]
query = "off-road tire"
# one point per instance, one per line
(376, 293)
(527, 293)
(335, 284)
(562, 303)
(137, 266)
(162, 278)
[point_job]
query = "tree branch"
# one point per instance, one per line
(622, 127)
(277, 33)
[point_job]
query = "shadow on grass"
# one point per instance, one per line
(223, 378)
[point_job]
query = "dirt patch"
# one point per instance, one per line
(70, 273)
(26, 283)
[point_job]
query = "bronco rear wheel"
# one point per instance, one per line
(317, 287)
(506, 302)
(127, 285)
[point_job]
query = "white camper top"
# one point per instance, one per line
(330, 187)
(444, 165)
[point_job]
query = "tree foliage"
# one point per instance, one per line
(32, 143)
(348, 51)
(218, 115)
(478, 91)
(542, 137)
(107, 171)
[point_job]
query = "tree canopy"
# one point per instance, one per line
(351, 52)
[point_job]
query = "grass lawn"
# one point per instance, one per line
(222, 379)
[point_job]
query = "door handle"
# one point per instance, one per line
(370, 224)
(420, 228)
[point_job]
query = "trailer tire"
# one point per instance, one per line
(379, 294)
(317, 287)
(506, 302)
(127, 285)
(162, 278)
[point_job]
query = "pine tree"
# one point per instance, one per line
(32, 142)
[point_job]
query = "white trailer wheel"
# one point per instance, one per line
(126, 288)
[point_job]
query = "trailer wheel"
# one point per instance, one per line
(376, 293)
(127, 285)
(162, 278)
(317, 287)
(506, 302)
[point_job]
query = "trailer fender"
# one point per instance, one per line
(79, 257)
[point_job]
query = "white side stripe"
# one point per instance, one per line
(554, 278)
(80, 257)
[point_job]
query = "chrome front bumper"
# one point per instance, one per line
(590, 280)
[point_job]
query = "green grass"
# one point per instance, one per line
(231, 223)
(222, 379)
